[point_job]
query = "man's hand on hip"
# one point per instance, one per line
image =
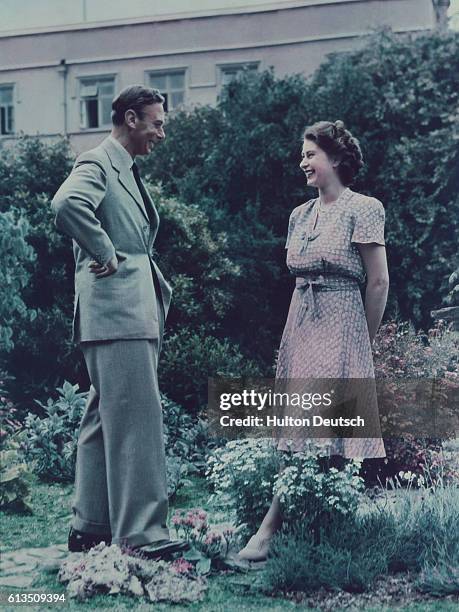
(104, 270)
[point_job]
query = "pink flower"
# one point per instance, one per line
(212, 538)
(202, 527)
(182, 566)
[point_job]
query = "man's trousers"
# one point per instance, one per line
(121, 472)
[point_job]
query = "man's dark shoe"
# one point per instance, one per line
(162, 549)
(80, 541)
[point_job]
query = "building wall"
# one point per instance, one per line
(294, 38)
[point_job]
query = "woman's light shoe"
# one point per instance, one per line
(255, 550)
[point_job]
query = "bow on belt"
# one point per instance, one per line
(308, 285)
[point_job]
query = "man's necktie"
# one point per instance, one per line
(143, 193)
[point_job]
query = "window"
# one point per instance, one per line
(231, 72)
(172, 87)
(6, 109)
(96, 96)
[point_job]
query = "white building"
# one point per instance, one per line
(61, 79)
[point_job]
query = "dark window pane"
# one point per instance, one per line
(10, 120)
(166, 101)
(92, 113)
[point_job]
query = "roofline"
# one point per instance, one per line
(242, 10)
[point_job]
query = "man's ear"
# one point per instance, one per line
(130, 117)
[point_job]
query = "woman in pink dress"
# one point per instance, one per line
(335, 242)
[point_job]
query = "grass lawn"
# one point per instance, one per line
(227, 592)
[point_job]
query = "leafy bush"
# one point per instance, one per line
(245, 474)
(306, 490)
(400, 353)
(190, 357)
(14, 479)
(15, 254)
(50, 444)
(198, 263)
(185, 437)
(9, 420)
(30, 174)
(242, 474)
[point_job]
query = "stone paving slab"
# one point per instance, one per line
(18, 581)
(19, 568)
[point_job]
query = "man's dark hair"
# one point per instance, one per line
(134, 97)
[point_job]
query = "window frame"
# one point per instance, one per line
(221, 67)
(83, 116)
(168, 72)
(10, 110)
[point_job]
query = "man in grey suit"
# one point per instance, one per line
(121, 302)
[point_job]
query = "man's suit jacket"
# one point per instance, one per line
(100, 208)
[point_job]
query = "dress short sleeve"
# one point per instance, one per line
(369, 222)
(291, 225)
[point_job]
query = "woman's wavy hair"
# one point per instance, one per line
(339, 144)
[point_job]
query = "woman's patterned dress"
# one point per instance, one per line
(326, 334)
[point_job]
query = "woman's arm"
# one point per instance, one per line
(375, 264)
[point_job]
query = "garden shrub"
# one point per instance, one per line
(14, 473)
(197, 262)
(242, 475)
(245, 474)
(14, 478)
(30, 175)
(15, 254)
(50, 443)
(192, 355)
(9, 421)
(402, 353)
(316, 495)
(185, 437)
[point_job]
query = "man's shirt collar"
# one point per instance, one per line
(125, 156)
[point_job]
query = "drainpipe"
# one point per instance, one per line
(63, 69)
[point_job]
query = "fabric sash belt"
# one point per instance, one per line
(308, 285)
